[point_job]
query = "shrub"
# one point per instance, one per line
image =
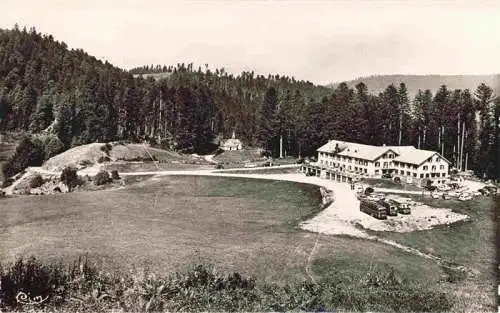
(219, 166)
(106, 148)
(7, 182)
(36, 181)
(70, 178)
(114, 175)
(203, 288)
(33, 279)
(369, 190)
(102, 178)
(103, 159)
(26, 154)
(53, 146)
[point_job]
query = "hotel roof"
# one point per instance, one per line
(405, 154)
(354, 150)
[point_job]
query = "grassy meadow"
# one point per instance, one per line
(470, 243)
(249, 226)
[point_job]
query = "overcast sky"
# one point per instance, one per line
(323, 41)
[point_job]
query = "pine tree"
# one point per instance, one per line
(484, 96)
(266, 133)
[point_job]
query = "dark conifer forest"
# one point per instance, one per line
(47, 87)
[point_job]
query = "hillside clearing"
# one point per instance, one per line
(93, 154)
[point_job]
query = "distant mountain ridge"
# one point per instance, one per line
(377, 83)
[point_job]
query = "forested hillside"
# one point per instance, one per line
(377, 83)
(45, 87)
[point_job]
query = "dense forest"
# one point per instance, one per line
(47, 88)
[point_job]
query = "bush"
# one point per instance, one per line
(114, 175)
(106, 148)
(103, 159)
(102, 178)
(369, 190)
(203, 288)
(219, 167)
(33, 279)
(70, 178)
(53, 146)
(36, 181)
(7, 182)
(26, 154)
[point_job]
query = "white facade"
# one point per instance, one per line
(231, 144)
(408, 163)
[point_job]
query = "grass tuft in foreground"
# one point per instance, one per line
(82, 287)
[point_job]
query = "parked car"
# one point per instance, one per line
(476, 193)
(454, 194)
(446, 196)
(358, 188)
(443, 187)
(402, 207)
(386, 175)
(435, 195)
(465, 197)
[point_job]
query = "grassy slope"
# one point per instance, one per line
(238, 224)
(471, 244)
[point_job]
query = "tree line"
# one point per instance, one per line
(47, 88)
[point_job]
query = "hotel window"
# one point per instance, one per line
(377, 171)
(414, 174)
(425, 167)
(402, 172)
(427, 175)
(421, 175)
(408, 173)
(444, 174)
(441, 167)
(377, 164)
(438, 175)
(433, 167)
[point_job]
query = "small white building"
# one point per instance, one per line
(359, 160)
(231, 144)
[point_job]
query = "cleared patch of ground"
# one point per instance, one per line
(269, 170)
(93, 154)
(237, 158)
